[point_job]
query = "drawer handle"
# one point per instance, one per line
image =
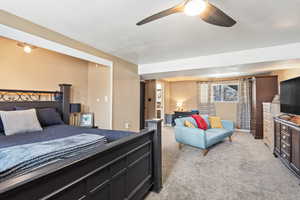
(284, 137)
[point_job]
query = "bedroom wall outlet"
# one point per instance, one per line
(127, 125)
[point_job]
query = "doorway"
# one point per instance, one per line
(153, 100)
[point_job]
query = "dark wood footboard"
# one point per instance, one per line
(125, 169)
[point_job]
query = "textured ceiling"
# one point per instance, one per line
(110, 26)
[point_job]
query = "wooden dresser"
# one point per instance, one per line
(263, 89)
(287, 144)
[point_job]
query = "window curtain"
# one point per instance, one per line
(244, 105)
(205, 106)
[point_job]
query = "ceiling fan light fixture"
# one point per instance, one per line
(195, 7)
(202, 9)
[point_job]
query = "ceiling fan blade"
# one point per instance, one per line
(215, 16)
(170, 11)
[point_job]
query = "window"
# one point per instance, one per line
(225, 92)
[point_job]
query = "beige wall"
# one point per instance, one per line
(126, 95)
(41, 70)
(287, 74)
(167, 97)
(125, 76)
(186, 92)
(226, 111)
(99, 94)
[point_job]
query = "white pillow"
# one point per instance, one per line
(20, 121)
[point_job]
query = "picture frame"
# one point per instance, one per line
(87, 120)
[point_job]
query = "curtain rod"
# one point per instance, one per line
(234, 79)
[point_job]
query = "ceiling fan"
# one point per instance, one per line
(205, 10)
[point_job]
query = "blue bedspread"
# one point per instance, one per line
(18, 158)
(49, 134)
(56, 132)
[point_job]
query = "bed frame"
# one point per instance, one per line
(126, 169)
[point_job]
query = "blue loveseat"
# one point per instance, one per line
(200, 138)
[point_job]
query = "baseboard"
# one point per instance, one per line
(242, 130)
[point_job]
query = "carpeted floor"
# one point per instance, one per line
(242, 170)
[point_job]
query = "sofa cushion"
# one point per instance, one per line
(215, 135)
(201, 123)
(215, 122)
(188, 124)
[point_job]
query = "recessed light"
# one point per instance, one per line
(26, 47)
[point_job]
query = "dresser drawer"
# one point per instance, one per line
(285, 133)
(287, 144)
(285, 156)
(285, 138)
(284, 128)
(285, 148)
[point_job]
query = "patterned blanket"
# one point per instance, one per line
(20, 158)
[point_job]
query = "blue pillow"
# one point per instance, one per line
(49, 117)
(46, 116)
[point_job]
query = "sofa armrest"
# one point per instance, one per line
(227, 124)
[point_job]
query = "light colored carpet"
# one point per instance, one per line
(243, 170)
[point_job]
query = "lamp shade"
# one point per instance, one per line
(75, 107)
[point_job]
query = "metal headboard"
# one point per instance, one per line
(60, 100)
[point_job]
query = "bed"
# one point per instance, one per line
(126, 166)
